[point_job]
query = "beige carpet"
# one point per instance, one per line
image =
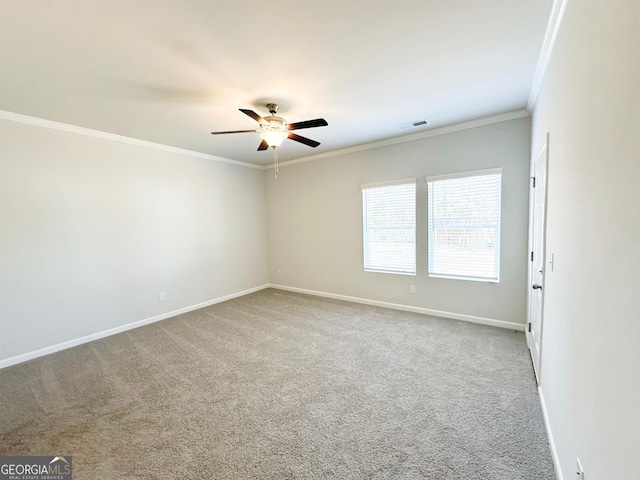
(278, 385)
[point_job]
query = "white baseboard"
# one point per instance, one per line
(552, 443)
(7, 362)
(123, 328)
(407, 308)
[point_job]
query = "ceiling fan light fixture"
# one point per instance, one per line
(273, 137)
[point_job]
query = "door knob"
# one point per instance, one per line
(535, 286)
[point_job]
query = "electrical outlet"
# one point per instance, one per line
(162, 296)
(412, 289)
(579, 470)
(279, 273)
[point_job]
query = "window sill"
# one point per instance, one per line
(413, 274)
(457, 277)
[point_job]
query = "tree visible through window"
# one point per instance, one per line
(464, 225)
(389, 227)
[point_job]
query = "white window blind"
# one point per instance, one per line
(464, 225)
(389, 227)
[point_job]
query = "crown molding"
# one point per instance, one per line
(40, 122)
(64, 127)
(555, 19)
(480, 122)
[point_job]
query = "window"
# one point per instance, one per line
(389, 227)
(464, 225)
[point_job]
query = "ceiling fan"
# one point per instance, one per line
(273, 130)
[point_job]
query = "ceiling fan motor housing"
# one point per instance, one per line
(274, 122)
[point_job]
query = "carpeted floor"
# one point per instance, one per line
(279, 385)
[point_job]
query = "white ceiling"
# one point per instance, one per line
(170, 71)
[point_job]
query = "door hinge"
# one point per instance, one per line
(529, 326)
(532, 256)
(534, 181)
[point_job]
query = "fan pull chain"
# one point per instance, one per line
(275, 162)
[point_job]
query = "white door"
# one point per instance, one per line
(537, 256)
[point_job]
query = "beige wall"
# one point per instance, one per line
(314, 218)
(92, 230)
(590, 105)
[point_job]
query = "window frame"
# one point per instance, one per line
(497, 226)
(369, 265)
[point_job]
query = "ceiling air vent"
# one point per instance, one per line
(409, 126)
